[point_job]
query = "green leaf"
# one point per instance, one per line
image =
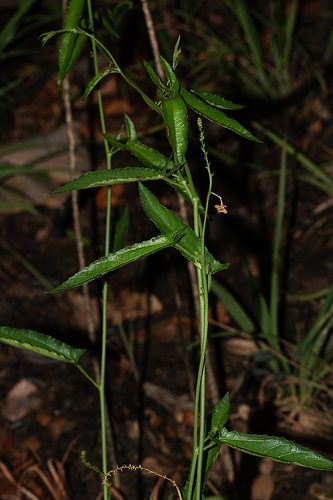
(110, 177)
(176, 55)
(166, 221)
(173, 83)
(152, 158)
(40, 343)
(155, 78)
(216, 100)
(218, 417)
(175, 118)
(221, 411)
(80, 42)
(68, 41)
(118, 259)
(214, 114)
(148, 156)
(92, 84)
(131, 132)
(274, 448)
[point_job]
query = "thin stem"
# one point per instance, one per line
(105, 286)
(82, 370)
(200, 397)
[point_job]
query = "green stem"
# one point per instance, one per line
(196, 472)
(82, 370)
(197, 406)
(107, 250)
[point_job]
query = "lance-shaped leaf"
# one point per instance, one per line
(80, 42)
(69, 49)
(173, 83)
(148, 156)
(218, 417)
(95, 81)
(214, 114)
(110, 177)
(176, 55)
(40, 343)
(166, 221)
(175, 118)
(155, 78)
(216, 100)
(152, 158)
(118, 259)
(274, 448)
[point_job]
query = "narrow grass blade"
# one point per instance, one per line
(16, 202)
(233, 307)
(27, 264)
(8, 32)
(313, 344)
(274, 296)
(289, 32)
(252, 37)
(302, 158)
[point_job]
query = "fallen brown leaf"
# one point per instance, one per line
(20, 400)
(133, 305)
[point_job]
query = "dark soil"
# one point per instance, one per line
(146, 429)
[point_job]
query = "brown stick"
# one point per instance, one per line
(152, 38)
